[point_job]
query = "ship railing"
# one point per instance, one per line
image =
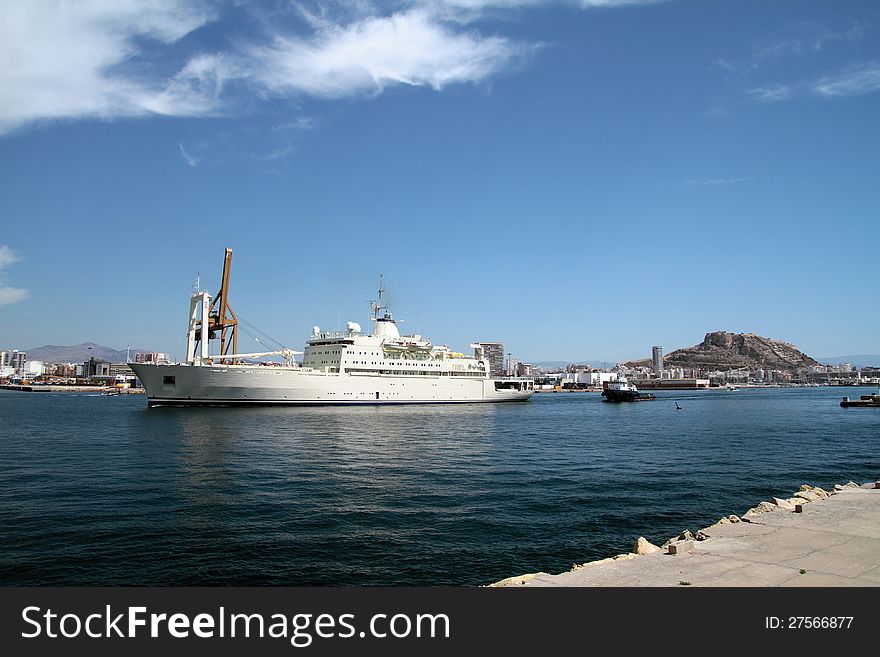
(329, 335)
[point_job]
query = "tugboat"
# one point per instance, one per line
(863, 401)
(623, 391)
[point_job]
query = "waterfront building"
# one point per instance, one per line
(61, 369)
(151, 357)
(120, 369)
(95, 367)
(511, 365)
(15, 359)
(493, 352)
(657, 357)
(672, 384)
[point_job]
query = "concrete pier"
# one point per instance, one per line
(815, 538)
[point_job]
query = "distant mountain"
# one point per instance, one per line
(79, 353)
(859, 360)
(721, 350)
(561, 364)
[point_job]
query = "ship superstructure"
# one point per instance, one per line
(339, 367)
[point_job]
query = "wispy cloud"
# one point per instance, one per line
(509, 4)
(721, 181)
(8, 294)
(617, 3)
(854, 80)
(772, 93)
(798, 40)
(187, 157)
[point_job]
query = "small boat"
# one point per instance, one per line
(623, 391)
(863, 401)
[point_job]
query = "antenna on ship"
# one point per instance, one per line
(381, 292)
(197, 284)
(377, 306)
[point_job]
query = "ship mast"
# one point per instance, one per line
(376, 307)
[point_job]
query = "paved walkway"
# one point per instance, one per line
(832, 542)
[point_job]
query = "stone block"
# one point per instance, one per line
(680, 547)
(643, 546)
(783, 504)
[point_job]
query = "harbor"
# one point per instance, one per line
(350, 309)
(429, 495)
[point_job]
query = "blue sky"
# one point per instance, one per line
(580, 180)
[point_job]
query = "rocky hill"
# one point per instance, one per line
(721, 350)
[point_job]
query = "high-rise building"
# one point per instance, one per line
(657, 354)
(494, 353)
(15, 359)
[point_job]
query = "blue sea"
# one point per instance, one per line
(104, 491)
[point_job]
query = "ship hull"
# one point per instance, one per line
(866, 401)
(626, 396)
(243, 385)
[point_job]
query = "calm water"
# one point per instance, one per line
(102, 490)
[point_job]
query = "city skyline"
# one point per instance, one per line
(575, 180)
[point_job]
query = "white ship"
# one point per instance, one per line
(339, 367)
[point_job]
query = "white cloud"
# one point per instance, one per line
(10, 294)
(7, 257)
(856, 80)
(72, 59)
(62, 60)
(410, 48)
